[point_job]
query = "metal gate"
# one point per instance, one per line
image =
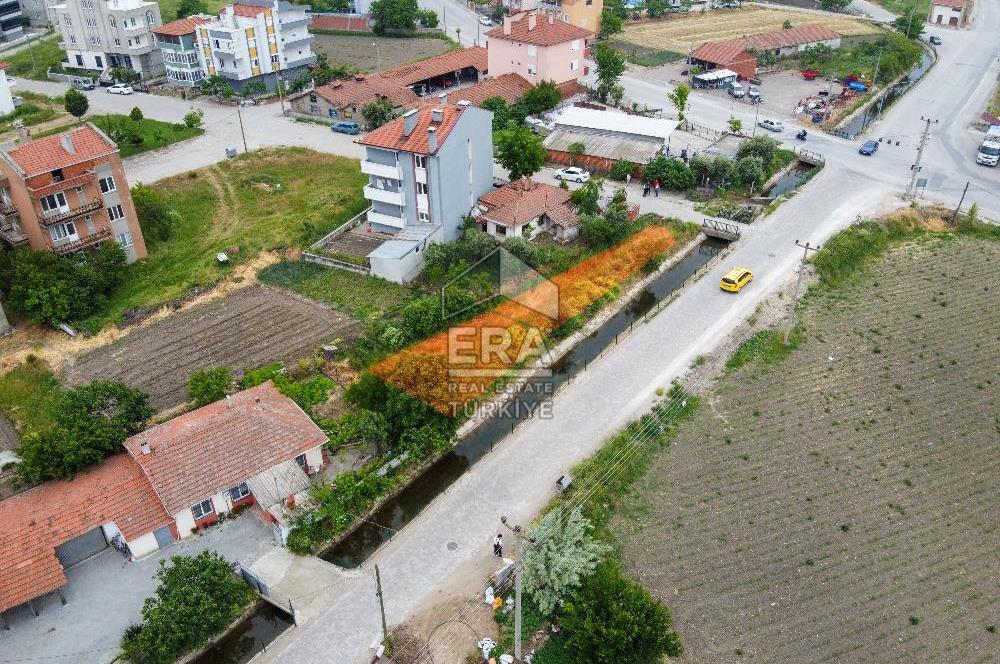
(163, 536)
(80, 548)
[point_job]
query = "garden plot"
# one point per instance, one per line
(680, 32)
(841, 506)
(250, 328)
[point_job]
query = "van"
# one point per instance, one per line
(736, 89)
(989, 152)
(82, 83)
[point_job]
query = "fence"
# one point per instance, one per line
(701, 130)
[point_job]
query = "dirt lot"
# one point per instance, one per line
(250, 328)
(841, 506)
(678, 32)
(357, 50)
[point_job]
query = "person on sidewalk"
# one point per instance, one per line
(498, 546)
(628, 179)
(645, 190)
(656, 188)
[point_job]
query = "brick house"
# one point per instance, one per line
(346, 99)
(538, 47)
(509, 210)
(66, 193)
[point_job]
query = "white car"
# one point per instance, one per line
(773, 125)
(572, 174)
(485, 20)
(120, 89)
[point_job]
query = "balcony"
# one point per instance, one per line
(381, 170)
(12, 235)
(391, 197)
(65, 183)
(385, 219)
(56, 216)
(82, 243)
(420, 175)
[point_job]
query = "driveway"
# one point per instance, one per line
(105, 593)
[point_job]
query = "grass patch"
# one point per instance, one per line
(267, 200)
(652, 58)
(46, 54)
(155, 134)
(168, 8)
(766, 346)
(994, 107)
(28, 396)
(364, 297)
(902, 6)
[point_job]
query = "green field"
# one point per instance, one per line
(46, 54)
(903, 6)
(168, 8)
(28, 396)
(36, 109)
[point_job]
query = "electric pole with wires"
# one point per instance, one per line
(915, 168)
(518, 570)
(807, 247)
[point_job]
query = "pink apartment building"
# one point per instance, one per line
(537, 46)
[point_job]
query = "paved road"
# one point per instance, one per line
(621, 385)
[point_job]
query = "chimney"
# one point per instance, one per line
(67, 142)
(464, 104)
(552, 18)
(144, 448)
(437, 115)
(443, 98)
(532, 17)
(410, 121)
(229, 401)
(432, 139)
(506, 25)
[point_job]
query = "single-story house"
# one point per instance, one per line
(739, 54)
(207, 462)
(465, 65)
(607, 136)
(509, 87)
(507, 211)
(346, 99)
(948, 12)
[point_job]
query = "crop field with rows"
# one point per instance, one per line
(843, 504)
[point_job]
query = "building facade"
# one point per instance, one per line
(66, 193)
(6, 96)
(100, 34)
(426, 170)
(11, 25)
(256, 40)
(537, 46)
(179, 50)
(35, 11)
(947, 12)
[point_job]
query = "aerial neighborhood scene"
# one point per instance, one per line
(499, 331)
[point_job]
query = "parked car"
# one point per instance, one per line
(17, 100)
(485, 21)
(935, 40)
(345, 127)
(868, 148)
(809, 74)
(82, 83)
(120, 89)
(572, 174)
(11, 81)
(753, 92)
(736, 89)
(772, 125)
(736, 279)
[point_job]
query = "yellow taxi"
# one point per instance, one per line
(735, 279)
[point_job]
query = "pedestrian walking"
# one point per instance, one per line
(498, 546)
(645, 190)
(628, 178)
(656, 188)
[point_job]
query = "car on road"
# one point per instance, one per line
(120, 89)
(485, 21)
(736, 279)
(868, 148)
(935, 40)
(11, 81)
(809, 74)
(352, 128)
(573, 174)
(82, 83)
(772, 125)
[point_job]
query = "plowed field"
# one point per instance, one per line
(843, 505)
(250, 328)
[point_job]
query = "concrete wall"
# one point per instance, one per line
(941, 15)
(314, 460)
(462, 171)
(4, 325)
(143, 545)
(6, 97)
(185, 523)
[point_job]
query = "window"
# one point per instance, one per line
(118, 42)
(301, 460)
(424, 217)
(203, 509)
(422, 188)
(531, 70)
(54, 202)
(274, 58)
(532, 51)
(111, 20)
(63, 231)
(115, 212)
(79, 58)
(421, 161)
(239, 492)
(98, 60)
(124, 239)
(574, 45)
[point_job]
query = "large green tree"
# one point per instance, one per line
(679, 98)
(394, 15)
(610, 64)
(378, 113)
(520, 151)
(209, 385)
(187, 8)
(543, 97)
(76, 103)
(562, 553)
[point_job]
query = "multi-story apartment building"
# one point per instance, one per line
(581, 13)
(257, 40)
(426, 170)
(537, 46)
(35, 11)
(10, 20)
(66, 193)
(179, 50)
(99, 34)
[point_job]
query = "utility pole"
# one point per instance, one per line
(954, 215)
(242, 132)
(518, 569)
(878, 63)
(381, 602)
(378, 54)
(807, 247)
(915, 168)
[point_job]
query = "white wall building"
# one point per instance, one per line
(947, 12)
(6, 96)
(100, 34)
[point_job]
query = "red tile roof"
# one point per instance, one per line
(523, 200)
(183, 26)
(545, 32)
(960, 4)
(571, 88)
(390, 136)
(43, 155)
(446, 63)
(509, 87)
(724, 53)
(35, 522)
(248, 11)
(355, 23)
(216, 447)
(731, 50)
(358, 93)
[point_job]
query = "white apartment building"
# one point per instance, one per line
(256, 40)
(99, 34)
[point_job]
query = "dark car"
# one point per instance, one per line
(935, 40)
(346, 127)
(868, 148)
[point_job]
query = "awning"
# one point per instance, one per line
(274, 485)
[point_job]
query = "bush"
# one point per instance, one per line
(193, 119)
(306, 392)
(621, 170)
(378, 113)
(749, 171)
(677, 176)
(543, 97)
(207, 386)
(156, 218)
(600, 233)
(758, 146)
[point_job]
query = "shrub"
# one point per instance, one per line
(156, 218)
(562, 555)
(543, 97)
(621, 169)
(378, 113)
(758, 146)
(677, 176)
(207, 386)
(193, 119)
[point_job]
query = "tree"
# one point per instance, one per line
(677, 176)
(191, 7)
(76, 103)
(394, 15)
(125, 75)
(587, 198)
(735, 125)
(598, 232)
(324, 72)
(610, 65)
(217, 86)
(428, 18)
(621, 169)
(576, 149)
(758, 146)
(719, 170)
(156, 218)
(520, 152)
(679, 98)
(611, 23)
(910, 24)
(834, 5)
(135, 115)
(787, 25)
(197, 597)
(543, 97)
(613, 619)
(378, 113)
(656, 8)
(501, 112)
(749, 171)
(817, 54)
(207, 386)
(561, 555)
(252, 89)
